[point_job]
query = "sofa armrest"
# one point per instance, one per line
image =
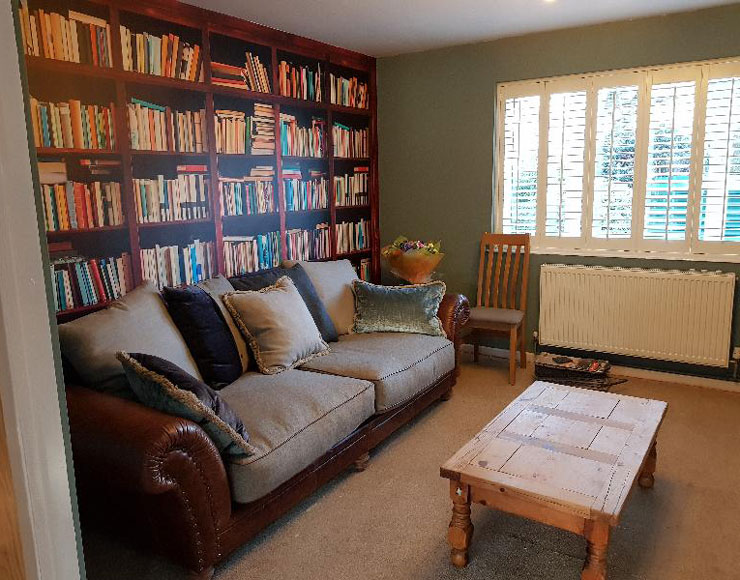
(454, 312)
(162, 465)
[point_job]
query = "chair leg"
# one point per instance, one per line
(476, 346)
(522, 347)
(512, 355)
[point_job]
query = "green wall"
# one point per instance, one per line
(436, 137)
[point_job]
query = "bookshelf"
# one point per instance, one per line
(225, 41)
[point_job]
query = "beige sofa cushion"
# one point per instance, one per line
(137, 322)
(333, 283)
(216, 288)
(293, 419)
(400, 365)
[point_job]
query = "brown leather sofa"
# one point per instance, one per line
(160, 478)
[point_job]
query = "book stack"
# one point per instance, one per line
(252, 77)
(75, 38)
(79, 282)
(169, 200)
(300, 82)
(304, 195)
(249, 195)
(80, 206)
(174, 266)
(72, 125)
(349, 142)
(302, 141)
(308, 244)
(244, 254)
(352, 236)
(348, 92)
(263, 129)
(363, 269)
(351, 190)
(232, 131)
(165, 56)
(157, 128)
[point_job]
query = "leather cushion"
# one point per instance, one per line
(263, 278)
(495, 315)
(206, 333)
(400, 365)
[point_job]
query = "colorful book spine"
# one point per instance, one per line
(300, 81)
(73, 125)
(155, 127)
(166, 56)
(244, 254)
(238, 133)
(81, 282)
(348, 92)
(349, 142)
(301, 195)
(363, 269)
(300, 141)
(351, 189)
(254, 76)
(351, 236)
(178, 265)
(247, 196)
(170, 200)
(312, 244)
(81, 206)
(74, 37)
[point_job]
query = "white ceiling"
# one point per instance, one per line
(388, 27)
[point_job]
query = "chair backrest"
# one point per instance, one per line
(505, 285)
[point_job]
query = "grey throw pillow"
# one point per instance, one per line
(410, 308)
(277, 325)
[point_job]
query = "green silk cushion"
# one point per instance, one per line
(411, 309)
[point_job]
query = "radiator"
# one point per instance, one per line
(670, 315)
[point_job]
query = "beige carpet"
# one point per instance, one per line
(390, 521)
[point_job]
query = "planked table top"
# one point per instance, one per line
(568, 449)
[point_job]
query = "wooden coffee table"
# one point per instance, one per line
(562, 456)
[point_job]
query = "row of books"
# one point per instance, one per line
(249, 195)
(349, 142)
(74, 205)
(363, 269)
(169, 200)
(351, 190)
(308, 244)
(252, 77)
(299, 81)
(352, 236)
(238, 133)
(301, 194)
(76, 37)
(302, 141)
(80, 282)
(175, 265)
(72, 124)
(244, 254)
(157, 128)
(165, 56)
(348, 92)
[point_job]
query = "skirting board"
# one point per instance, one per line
(621, 371)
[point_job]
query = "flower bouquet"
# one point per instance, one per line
(413, 260)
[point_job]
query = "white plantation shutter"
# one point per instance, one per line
(669, 160)
(566, 146)
(719, 211)
(520, 161)
(614, 162)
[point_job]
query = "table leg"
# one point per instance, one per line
(647, 475)
(597, 538)
(461, 528)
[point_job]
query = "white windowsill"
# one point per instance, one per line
(640, 255)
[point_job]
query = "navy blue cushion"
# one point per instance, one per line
(263, 278)
(206, 333)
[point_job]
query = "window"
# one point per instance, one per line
(642, 162)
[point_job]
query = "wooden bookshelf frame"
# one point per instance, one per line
(208, 22)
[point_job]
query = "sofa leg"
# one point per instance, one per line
(206, 574)
(360, 464)
(447, 395)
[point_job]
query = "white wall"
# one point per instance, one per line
(28, 381)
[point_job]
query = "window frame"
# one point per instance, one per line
(636, 246)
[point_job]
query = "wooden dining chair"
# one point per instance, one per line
(501, 305)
